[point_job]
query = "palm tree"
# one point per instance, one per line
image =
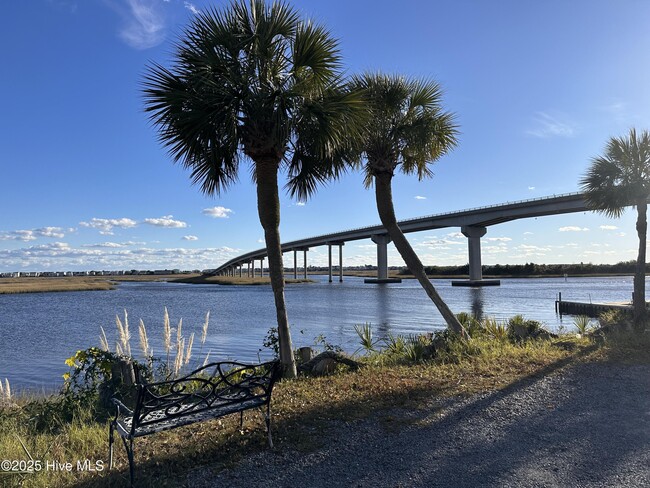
(253, 81)
(407, 130)
(620, 178)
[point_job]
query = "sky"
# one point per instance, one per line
(537, 89)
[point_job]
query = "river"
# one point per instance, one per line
(38, 331)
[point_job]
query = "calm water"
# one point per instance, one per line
(39, 331)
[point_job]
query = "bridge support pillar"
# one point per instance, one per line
(474, 234)
(382, 241)
(304, 260)
(329, 255)
(295, 264)
(262, 268)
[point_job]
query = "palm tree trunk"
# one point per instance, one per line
(268, 208)
(384, 197)
(639, 274)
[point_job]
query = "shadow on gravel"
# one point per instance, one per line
(585, 427)
(550, 431)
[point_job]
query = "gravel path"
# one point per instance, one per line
(584, 426)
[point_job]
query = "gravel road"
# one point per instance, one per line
(583, 426)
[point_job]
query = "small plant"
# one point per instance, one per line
(395, 345)
(582, 323)
(495, 329)
(365, 336)
(272, 341)
(5, 393)
(321, 341)
(92, 381)
(417, 348)
(520, 329)
(471, 324)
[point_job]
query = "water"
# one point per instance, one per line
(39, 331)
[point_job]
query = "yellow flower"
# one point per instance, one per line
(66, 376)
(70, 361)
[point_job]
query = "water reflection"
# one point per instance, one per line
(478, 296)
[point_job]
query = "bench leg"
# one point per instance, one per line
(129, 452)
(110, 446)
(267, 420)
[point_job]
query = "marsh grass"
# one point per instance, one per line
(74, 283)
(178, 353)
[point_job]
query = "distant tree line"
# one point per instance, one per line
(532, 269)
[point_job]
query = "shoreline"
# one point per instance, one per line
(10, 286)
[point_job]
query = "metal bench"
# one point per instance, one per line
(210, 392)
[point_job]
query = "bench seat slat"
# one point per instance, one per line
(157, 421)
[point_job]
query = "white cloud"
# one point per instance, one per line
(191, 7)
(498, 239)
(418, 197)
(528, 233)
(300, 204)
(608, 227)
(531, 188)
(56, 232)
(60, 256)
(166, 221)
(33, 234)
(105, 226)
(143, 23)
(190, 238)
(573, 228)
(218, 212)
(621, 234)
(107, 245)
(550, 126)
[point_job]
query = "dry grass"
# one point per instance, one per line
(300, 408)
(36, 285)
(74, 283)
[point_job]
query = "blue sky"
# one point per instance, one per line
(537, 87)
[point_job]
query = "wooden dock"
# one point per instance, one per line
(588, 309)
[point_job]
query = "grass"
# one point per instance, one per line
(72, 283)
(301, 409)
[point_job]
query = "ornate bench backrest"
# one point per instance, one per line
(216, 385)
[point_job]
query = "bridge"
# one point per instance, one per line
(473, 224)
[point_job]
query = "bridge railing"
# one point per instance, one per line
(325, 237)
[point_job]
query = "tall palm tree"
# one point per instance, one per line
(619, 178)
(407, 130)
(253, 81)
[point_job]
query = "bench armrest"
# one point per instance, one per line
(120, 406)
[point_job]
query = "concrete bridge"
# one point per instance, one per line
(473, 224)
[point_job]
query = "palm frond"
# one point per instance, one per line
(407, 125)
(621, 176)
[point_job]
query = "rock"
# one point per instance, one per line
(324, 366)
(326, 362)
